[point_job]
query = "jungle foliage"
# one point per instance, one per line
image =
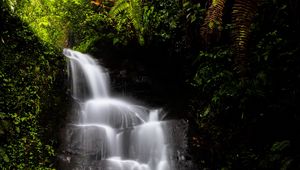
(30, 79)
(251, 122)
(236, 62)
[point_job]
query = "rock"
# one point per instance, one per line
(88, 150)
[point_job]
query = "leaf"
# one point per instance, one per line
(17, 129)
(280, 146)
(206, 112)
(141, 40)
(3, 155)
(116, 40)
(285, 164)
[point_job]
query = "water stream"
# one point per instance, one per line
(118, 134)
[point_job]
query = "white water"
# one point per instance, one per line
(130, 136)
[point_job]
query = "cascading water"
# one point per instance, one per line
(114, 132)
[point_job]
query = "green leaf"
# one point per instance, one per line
(4, 155)
(280, 146)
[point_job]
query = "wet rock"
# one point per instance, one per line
(87, 153)
(85, 141)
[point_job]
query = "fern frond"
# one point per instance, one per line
(242, 16)
(132, 10)
(119, 7)
(136, 14)
(213, 20)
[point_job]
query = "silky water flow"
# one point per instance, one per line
(121, 135)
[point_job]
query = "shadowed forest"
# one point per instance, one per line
(230, 68)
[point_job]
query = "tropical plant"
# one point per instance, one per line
(242, 17)
(213, 21)
(255, 115)
(28, 76)
(133, 9)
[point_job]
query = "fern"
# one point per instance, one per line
(242, 15)
(132, 9)
(136, 14)
(213, 20)
(119, 7)
(243, 12)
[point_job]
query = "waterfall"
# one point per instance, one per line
(114, 133)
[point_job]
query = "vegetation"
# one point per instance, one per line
(252, 122)
(30, 78)
(236, 62)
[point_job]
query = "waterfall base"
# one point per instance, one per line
(72, 158)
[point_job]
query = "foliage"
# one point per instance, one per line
(28, 76)
(61, 22)
(252, 124)
(133, 9)
(57, 22)
(242, 18)
(242, 15)
(150, 21)
(213, 20)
